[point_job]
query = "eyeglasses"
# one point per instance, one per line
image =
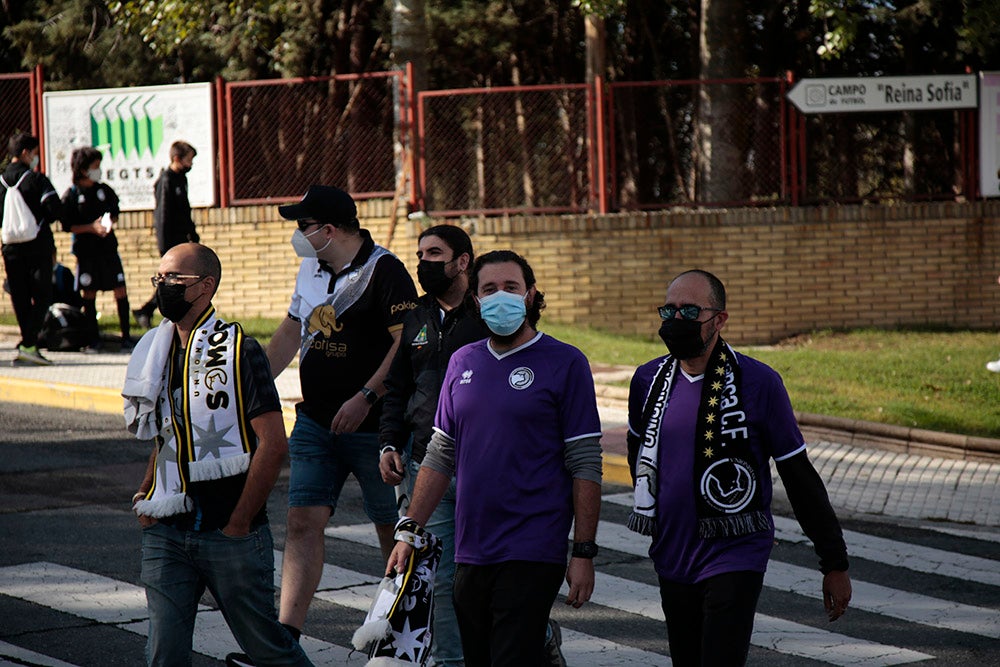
(306, 224)
(688, 311)
(172, 279)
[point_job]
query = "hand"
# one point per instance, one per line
(391, 467)
(580, 577)
(351, 414)
(98, 228)
(836, 593)
(397, 559)
(232, 529)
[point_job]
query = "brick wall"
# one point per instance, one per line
(787, 270)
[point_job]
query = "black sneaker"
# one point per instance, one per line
(239, 660)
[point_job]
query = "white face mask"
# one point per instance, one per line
(301, 245)
(94, 175)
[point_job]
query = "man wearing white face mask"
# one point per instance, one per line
(517, 425)
(345, 319)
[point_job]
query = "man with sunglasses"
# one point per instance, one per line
(703, 422)
(203, 393)
(345, 320)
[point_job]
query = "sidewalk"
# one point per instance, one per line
(868, 469)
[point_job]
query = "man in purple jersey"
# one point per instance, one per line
(517, 426)
(703, 422)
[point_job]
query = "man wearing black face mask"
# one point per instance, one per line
(703, 422)
(203, 393)
(441, 323)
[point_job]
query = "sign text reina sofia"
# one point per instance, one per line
(885, 93)
(133, 128)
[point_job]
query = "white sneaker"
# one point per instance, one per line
(993, 366)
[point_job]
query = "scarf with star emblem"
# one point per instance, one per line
(209, 440)
(727, 494)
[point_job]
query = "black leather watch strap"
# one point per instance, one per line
(370, 396)
(584, 549)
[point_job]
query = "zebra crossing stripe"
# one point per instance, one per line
(15, 656)
(105, 600)
(644, 600)
(912, 557)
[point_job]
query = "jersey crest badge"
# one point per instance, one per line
(421, 338)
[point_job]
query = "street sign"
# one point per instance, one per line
(885, 93)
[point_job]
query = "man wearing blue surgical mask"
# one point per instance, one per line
(518, 428)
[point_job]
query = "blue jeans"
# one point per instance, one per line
(321, 461)
(447, 640)
(177, 566)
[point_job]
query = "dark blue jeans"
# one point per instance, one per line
(177, 566)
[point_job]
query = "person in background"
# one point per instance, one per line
(28, 264)
(90, 212)
(172, 213)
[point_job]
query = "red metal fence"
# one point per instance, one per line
(280, 136)
(563, 148)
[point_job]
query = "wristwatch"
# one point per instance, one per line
(369, 395)
(584, 549)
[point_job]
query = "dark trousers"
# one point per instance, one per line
(29, 278)
(709, 623)
(503, 610)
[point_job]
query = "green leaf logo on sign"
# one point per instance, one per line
(124, 126)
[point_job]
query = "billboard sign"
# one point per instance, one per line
(133, 128)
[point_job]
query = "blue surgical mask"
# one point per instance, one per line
(503, 312)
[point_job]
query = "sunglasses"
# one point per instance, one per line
(306, 224)
(172, 279)
(688, 311)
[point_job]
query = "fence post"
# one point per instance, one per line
(37, 88)
(221, 142)
(599, 130)
(790, 118)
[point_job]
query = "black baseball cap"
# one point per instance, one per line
(324, 203)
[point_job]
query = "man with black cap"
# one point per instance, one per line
(345, 319)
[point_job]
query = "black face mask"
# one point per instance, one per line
(432, 277)
(170, 301)
(683, 338)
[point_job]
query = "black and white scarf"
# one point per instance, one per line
(727, 493)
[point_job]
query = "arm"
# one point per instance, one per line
(147, 482)
(272, 447)
(355, 409)
(283, 346)
(812, 509)
(392, 429)
(586, 512)
(428, 490)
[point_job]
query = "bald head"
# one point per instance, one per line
(193, 259)
(716, 290)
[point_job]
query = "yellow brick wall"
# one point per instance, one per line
(787, 270)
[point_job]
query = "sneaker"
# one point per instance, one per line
(142, 317)
(31, 355)
(94, 348)
(238, 660)
(128, 344)
(993, 366)
(553, 640)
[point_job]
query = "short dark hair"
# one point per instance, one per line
(501, 257)
(20, 142)
(181, 149)
(207, 263)
(717, 291)
(82, 158)
(454, 237)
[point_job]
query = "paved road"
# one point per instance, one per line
(925, 591)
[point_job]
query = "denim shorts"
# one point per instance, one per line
(321, 461)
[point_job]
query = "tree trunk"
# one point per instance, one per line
(720, 125)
